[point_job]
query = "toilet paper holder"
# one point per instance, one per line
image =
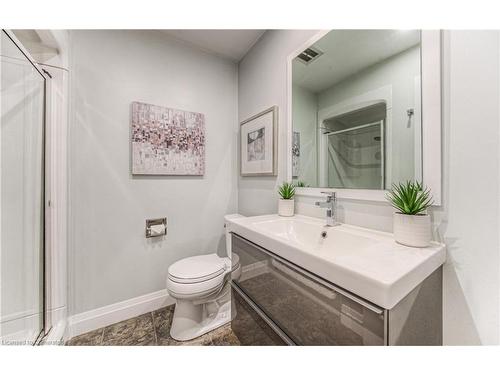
(153, 227)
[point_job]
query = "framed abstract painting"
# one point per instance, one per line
(259, 144)
(167, 141)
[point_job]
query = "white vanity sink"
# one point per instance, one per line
(365, 262)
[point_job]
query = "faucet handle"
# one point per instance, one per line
(331, 195)
(329, 192)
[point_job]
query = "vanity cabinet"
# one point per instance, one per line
(305, 309)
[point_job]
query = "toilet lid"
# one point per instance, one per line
(197, 268)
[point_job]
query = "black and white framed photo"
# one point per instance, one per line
(259, 144)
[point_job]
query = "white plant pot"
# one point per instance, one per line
(286, 207)
(412, 230)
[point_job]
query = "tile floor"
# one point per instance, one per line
(151, 329)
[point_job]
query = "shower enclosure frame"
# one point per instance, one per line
(381, 124)
(44, 326)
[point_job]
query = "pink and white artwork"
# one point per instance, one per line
(167, 141)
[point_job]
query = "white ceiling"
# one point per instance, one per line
(347, 52)
(231, 44)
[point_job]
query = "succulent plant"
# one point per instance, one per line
(286, 190)
(410, 198)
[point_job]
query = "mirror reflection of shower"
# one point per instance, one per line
(355, 148)
(363, 89)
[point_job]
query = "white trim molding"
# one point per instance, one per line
(114, 313)
(431, 112)
(431, 122)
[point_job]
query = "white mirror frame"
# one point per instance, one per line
(431, 122)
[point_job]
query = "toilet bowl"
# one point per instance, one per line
(200, 285)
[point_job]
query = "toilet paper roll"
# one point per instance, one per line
(157, 230)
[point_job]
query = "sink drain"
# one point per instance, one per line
(324, 234)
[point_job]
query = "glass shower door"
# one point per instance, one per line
(22, 90)
(356, 157)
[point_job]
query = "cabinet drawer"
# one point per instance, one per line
(248, 325)
(308, 309)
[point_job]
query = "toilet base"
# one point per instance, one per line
(193, 320)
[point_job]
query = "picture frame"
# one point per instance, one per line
(259, 144)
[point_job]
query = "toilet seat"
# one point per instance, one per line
(195, 290)
(199, 276)
(197, 269)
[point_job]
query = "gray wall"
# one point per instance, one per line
(468, 221)
(110, 259)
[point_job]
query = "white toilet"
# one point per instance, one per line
(200, 285)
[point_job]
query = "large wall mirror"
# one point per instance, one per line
(356, 110)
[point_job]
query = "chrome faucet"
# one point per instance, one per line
(331, 208)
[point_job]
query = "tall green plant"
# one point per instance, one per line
(286, 190)
(410, 198)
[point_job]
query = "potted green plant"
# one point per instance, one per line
(286, 205)
(412, 224)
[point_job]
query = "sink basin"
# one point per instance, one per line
(307, 234)
(365, 262)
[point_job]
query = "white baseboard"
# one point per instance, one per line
(20, 330)
(110, 314)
